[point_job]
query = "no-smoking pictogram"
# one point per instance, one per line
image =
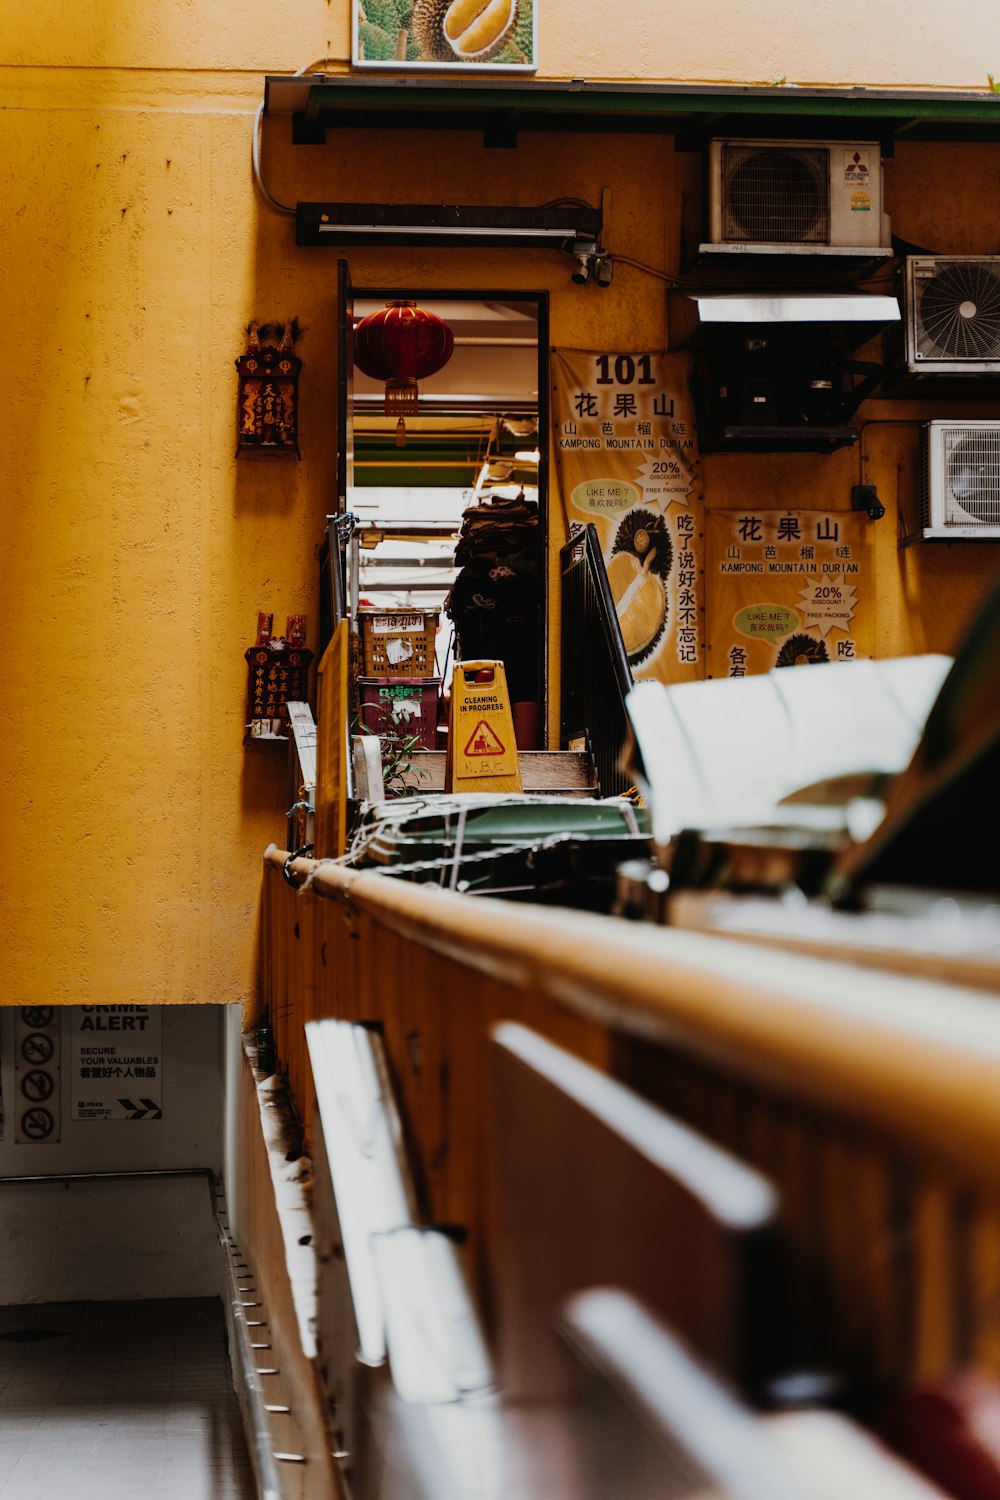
(37, 1124)
(37, 1048)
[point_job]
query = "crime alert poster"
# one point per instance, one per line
(626, 451)
(116, 1061)
(787, 589)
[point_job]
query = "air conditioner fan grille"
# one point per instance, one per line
(776, 195)
(972, 476)
(958, 312)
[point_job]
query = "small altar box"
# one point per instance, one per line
(278, 671)
(267, 401)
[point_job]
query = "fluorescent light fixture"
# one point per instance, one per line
(438, 231)
(446, 224)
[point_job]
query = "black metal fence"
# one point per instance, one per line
(595, 675)
(332, 580)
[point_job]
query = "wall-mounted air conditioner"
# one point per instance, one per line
(961, 481)
(799, 197)
(953, 314)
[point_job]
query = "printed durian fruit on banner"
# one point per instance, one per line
(638, 569)
(446, 31)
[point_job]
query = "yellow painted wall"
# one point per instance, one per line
(137, 549)
(212, 42)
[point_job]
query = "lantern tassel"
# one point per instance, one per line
(400, 433)
(401, 397)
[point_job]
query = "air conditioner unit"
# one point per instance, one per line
(953, 314)
(961, 481)
(816, 197)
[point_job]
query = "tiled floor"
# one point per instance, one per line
(115, 1400)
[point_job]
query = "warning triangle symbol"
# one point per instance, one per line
(484, 741)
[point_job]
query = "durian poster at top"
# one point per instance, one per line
(787, 589)
(626, 451)
(497, 35)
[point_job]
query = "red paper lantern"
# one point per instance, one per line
(402, 344)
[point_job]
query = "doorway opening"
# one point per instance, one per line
(450, 504)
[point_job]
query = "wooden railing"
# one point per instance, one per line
(871, 1100)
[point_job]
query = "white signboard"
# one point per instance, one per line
(116, 1062)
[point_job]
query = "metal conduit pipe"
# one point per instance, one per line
(915, 1060)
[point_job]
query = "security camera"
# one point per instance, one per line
(581, 252)
(865, 497)
(581, 267)
(604, 269)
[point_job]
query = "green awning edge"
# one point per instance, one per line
(325, 94)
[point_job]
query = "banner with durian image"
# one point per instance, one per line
(787, 588)
(492, 35)
(626, 450)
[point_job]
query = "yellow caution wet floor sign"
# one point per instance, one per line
(482, 755)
